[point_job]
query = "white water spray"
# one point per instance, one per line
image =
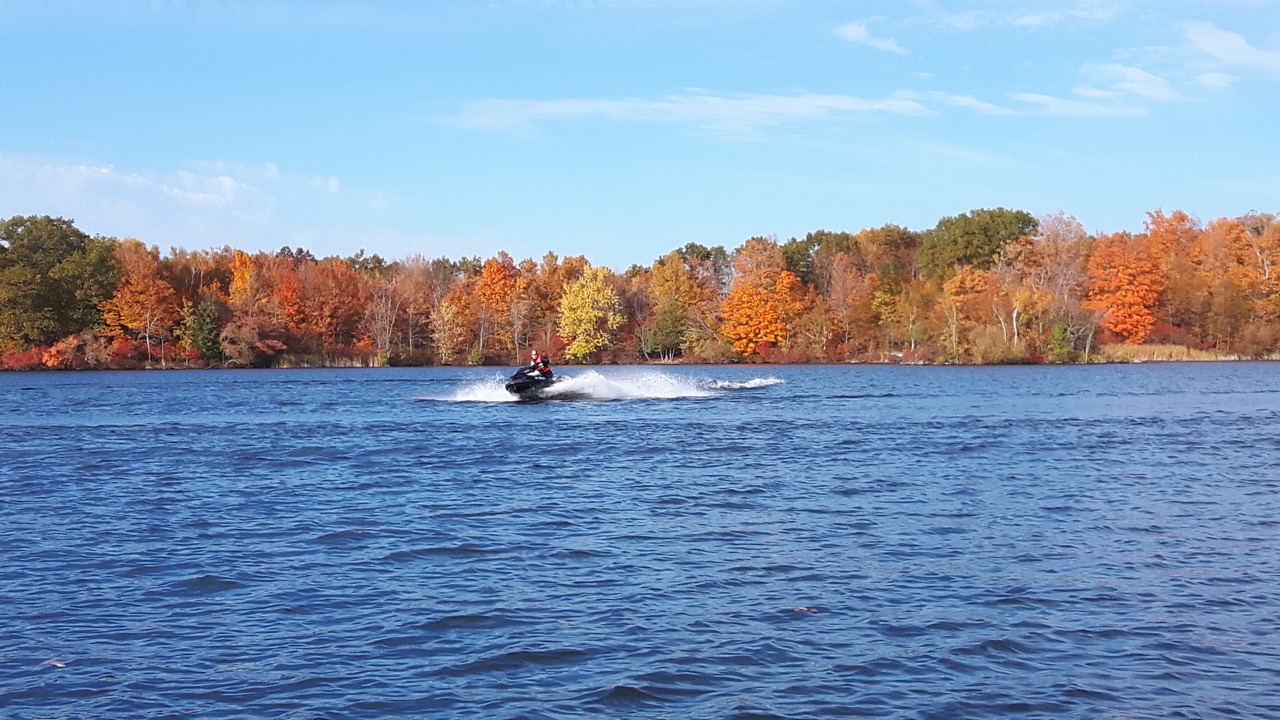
(594, 385)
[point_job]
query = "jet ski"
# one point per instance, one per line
(528, 383)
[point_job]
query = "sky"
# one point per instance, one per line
(624, 129)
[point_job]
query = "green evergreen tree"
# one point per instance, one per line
(200, 330)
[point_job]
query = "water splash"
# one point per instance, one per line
(753, 384)
(489, 389)
(594, 385)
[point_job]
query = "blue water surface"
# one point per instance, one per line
(677, 542)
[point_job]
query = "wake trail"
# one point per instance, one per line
(593, 385)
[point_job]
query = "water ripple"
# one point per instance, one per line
(691, 542)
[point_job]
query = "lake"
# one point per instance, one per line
(657, 542)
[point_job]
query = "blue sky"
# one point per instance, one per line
(623, 129)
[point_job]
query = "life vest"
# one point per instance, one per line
(541, 365)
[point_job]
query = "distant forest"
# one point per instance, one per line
(984, 287)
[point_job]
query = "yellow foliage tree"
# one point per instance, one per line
(449, 325)
(244, 291)
(672, 291)
(590, 311)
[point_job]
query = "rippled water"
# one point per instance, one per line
(689, 542)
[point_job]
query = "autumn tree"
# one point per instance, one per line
(751, 321)
(968, 301)
(1212, 285)
(590, 312)
(522, 308)
(85, 349)
(765, 299)
(336, 296)
(711, 270)
(1172, 235)
(386, 296)
(1125, 282)
(494, 293)
(256, 332)
(862, 276)
(635, 304)
(426, 283)
(1053, 260)
(449, 326)
(758, 263)
(850, 295)
(672, 291)
(1016, 303)
(144, 305)
(198, 274)
(1262, 238)
(546, 289)
(244, 293)
(284, 301)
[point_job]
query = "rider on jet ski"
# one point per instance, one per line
(539, 364)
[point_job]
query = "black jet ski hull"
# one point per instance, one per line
(527, 385)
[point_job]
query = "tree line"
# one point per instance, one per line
(987, 286)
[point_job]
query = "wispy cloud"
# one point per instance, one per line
(1230, 48)
(1077, 12)
(1113, 81)
(178, 207)
(738, 114)
(1051, 105)
(964, 102)
(859, 33)
(1105, 104)
(1089, 12)
(207, 204)
(1217, 80)
(1121, 91)
(966, 20)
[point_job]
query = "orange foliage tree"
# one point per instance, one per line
(336, 298)
(143, 305)
(764, 299)
(1125, 282)
(750, 320)
(494, 291)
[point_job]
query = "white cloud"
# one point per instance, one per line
(967, 102)
(1230, 48)
(258, 173)
(858, 33)
(329, 184)
(1217, 80)
(737, 114)
(1050, 105)
(1084, 12)
(212, 204)
(179, 206)
(1122, 81)
(1078, 12)
(969, 20)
